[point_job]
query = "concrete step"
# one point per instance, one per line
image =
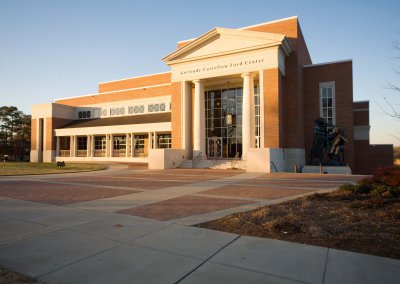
(203, 164)
(228, 164)
(186, 164)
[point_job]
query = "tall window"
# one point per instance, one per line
(100, 146)
(139, 143)
(257, 116)
(164, 141)
(81, 149)
(327, 101)
(119, 146)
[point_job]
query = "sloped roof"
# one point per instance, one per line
(244, 41)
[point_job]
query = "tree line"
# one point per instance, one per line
(15, 133)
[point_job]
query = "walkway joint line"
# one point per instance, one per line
(203, 262)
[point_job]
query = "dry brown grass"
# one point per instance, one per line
(23, 168)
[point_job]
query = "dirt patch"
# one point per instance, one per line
(362, 223)
(11, 277)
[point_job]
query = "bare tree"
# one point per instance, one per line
(392, 109)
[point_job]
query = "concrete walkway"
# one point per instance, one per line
(90, 242)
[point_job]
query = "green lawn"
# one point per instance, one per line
(16, 168)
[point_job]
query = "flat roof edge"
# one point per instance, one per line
(142, 76)
(327, 63)
(270, 22)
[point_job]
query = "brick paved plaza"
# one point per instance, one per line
(133, 225)
(166, 195)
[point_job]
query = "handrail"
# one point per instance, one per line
(196, 159)
(273, 164)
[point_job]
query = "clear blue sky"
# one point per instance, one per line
(53, 49)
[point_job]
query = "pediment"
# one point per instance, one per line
(220, 41)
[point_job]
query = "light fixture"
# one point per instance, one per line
(229, 119)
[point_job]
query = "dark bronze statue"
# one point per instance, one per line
(328, 144)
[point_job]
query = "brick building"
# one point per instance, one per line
(251, 94)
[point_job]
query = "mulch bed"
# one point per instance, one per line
(341, 220)
(11, 277)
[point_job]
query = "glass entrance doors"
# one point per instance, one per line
(214, 147)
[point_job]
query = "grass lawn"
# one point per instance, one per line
(362, 218)
(17, 168)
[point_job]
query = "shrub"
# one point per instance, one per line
(358, 188)
(386, 191)
(389, 176)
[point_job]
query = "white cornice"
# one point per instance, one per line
(252, 26)
(270, 40)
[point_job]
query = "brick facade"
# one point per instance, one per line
(342, 74)
(291, 101)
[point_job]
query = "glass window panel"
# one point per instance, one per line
(329, 92)
(224, 132)
(217, 113)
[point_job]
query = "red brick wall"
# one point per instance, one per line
(361, 113)
(143, 81)
(369, 157)
(341, 73)
(33, 133)
(176, 115)
(272, 109)
(120, 96)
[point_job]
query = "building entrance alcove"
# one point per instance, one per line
(214, 147)
(223, 117)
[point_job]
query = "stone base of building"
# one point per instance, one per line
(160, 159)
(343, 170)
(272, 160)
(102, 159)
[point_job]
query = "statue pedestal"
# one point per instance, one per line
(342, 170)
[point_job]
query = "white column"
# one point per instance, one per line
(199, 131)
(149, 141)
(57, 146)
(127, 147)
(71, 145)
(132, 145)
(247, 114)
(111, 145)
(88, 143)
(92, 146)
(107, 145)
(75, 145)
(155, 141)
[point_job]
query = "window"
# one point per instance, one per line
(164, 141)
(84, 114)
(81, 150)
(257, 116)
(100, 146)
(139, 146)
(82, 143)
(119, 146)
(327, 101)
